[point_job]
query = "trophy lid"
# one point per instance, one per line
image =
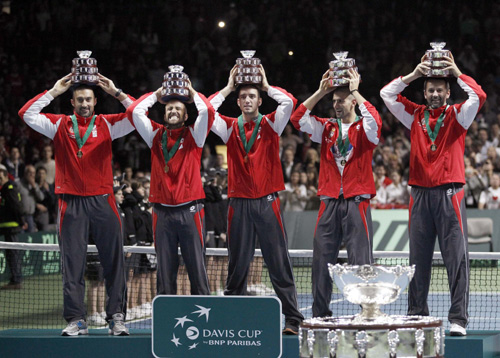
(438, 46)
(247, 53)
(175, 68)
(341, 55)
(84, 53)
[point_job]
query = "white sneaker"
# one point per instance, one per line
(96, 320)
(75, 328)
(457, 330)
(117, 325)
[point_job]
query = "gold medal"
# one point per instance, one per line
(246, 159)
(433, 147)
(166, 169)
(79, 154)
(342, 162)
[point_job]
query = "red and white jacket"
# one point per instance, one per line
(182, 183)
(356, 177)
(92, 174)
(445, 165)
(262, 174)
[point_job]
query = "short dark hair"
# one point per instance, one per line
(248, 85)
(343, 89)
(81, 87)
(437, 79)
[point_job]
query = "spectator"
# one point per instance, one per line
(490, 198)
(15, 165)
(31, 195)
(44, 213)
(397, 192)
(48, 163)
(296, 194)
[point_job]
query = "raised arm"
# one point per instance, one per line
(137, 114)
(302, 119)
(205, 119)
(45, 124)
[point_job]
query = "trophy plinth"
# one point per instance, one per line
(84, 69)
(436, 57)
(248, 69)
(175, 85)
(339, 69)
(371, 333)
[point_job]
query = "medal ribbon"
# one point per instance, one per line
(81, 141)
(343, 144)
(248, 146)
(433, 134)
(167, 155)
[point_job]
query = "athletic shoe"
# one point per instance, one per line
(457, 330)
(96, 320)
(117, 325)
(75, 328)
(291, 327)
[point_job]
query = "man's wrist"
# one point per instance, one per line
(118, 93)
(354, 90)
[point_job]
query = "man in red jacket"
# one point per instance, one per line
(437, 176)
(84, 182)
(176, 188)
(254, 178)
(345, 181)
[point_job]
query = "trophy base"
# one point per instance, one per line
(92, 80)
(386, 336)
(248, 80)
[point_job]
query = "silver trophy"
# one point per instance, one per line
(248, 69)
(435, 57)
(175, 85)
(339, 69)
(371, 333)
(84, 69)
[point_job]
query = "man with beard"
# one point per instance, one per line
(87, 207)
(176, 188)
(254, 179)
(437, 176)
(345, 181)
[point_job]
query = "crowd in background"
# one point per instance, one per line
(387, 39)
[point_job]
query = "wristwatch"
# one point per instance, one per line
(119, 92)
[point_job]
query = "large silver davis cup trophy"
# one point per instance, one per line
(175, 85)
(435, 57)
(371, 333)
(339, 69)
(248, 69)
(84, 69)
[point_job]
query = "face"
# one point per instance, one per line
(30, 172)
(175, 113)
(295, 177)
(380, 171)
(47, 152)
(146, 189)
(84, 102)
(303, 177)
(249, 101)
(41, 175)
(14, 153)
(395, 177)
(343, 104)
(119, 197)
(288, 156)
(495, 181)
(436, 93)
